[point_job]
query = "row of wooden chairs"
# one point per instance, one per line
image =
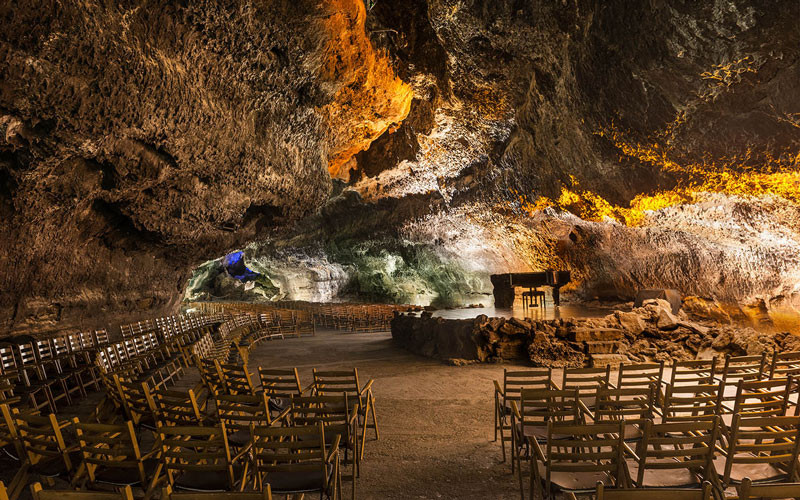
(696, 373)
(683, 435)
(290, 459)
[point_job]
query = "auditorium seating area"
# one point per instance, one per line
(250, 432)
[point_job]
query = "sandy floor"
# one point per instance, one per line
(435, 420)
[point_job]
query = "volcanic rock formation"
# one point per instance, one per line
(638, 144)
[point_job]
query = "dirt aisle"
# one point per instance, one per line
(435, 420)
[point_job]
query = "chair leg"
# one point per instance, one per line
(375, 419)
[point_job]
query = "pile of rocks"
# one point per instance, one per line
(648, 333)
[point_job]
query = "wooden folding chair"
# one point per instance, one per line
(337, 382)
(210, 374)
(199, 459)
(758, 398)
(693, 372)
(586, 381)
(640, 375)
(764, 449)
(168, 494)
(177, 408)
(236, 379)
(9, 437)
(239, 411)
(513, 383)
(633, 404)
(748, 490)
(677, 454)
(41, 494)
(46, 452)
(691, 402)
(538, 407)
(112, 456)
(296, 460)
(738, 368)
(575, 457)
(702, 493)
(137, 403)
(27, 385)
(784, 364)
(339, 419)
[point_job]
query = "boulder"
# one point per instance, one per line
(672, 297)
(700, 308)
(603, 360)
(666, 320)
(630, 322)
(595, 334)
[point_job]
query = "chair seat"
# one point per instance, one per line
(119, 476)
(663, 478)
(758, 473)
(286, 482)
(239, 438)
(575, 481)
(56, 467)
(207, 480)
(538, 432)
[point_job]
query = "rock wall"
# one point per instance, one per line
(140, 139)
(644, 334)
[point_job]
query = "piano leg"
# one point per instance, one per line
(556, 297)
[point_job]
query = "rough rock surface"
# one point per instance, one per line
(640, 335)
(139, 140)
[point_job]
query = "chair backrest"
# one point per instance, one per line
(574, 448)
(280, 383)
(586, 380)
(784, 364)
(743, 368)
(168, 494)
(702, 493)
(634, 405)
(109, 446)
(539, 406)
(210, 374)
(41, 439)
(514, 381)
(239, 411)
(39, 493)
(137, 400)
(8, 430)
(236, 379)
(334, 412)
(331, 382)
(640, 375)
(697, 371)
(690, 402)
(196, 448)
(763, 398)
(177, 408)
(763, 440)
(747, 490)
(678, 445)
(297, 450)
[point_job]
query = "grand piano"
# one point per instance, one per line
(505, 285)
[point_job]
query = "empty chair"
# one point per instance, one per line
(513, 383)
(762, 448)
(177, 408)
(738, 368)
(137, 403)
(699, 371)
(784, 364)
(640, 375)
(39, 493)
(676, 454)
(296, 460)
(538, 407)
(236, 379)
(586, 381)
(27, 381)
(631, 404)
(691, 402)
(112, 456)
(46, 452)
(199, 459)
(239, 411)
(336, 382)
(576, 456)
(759, 398)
